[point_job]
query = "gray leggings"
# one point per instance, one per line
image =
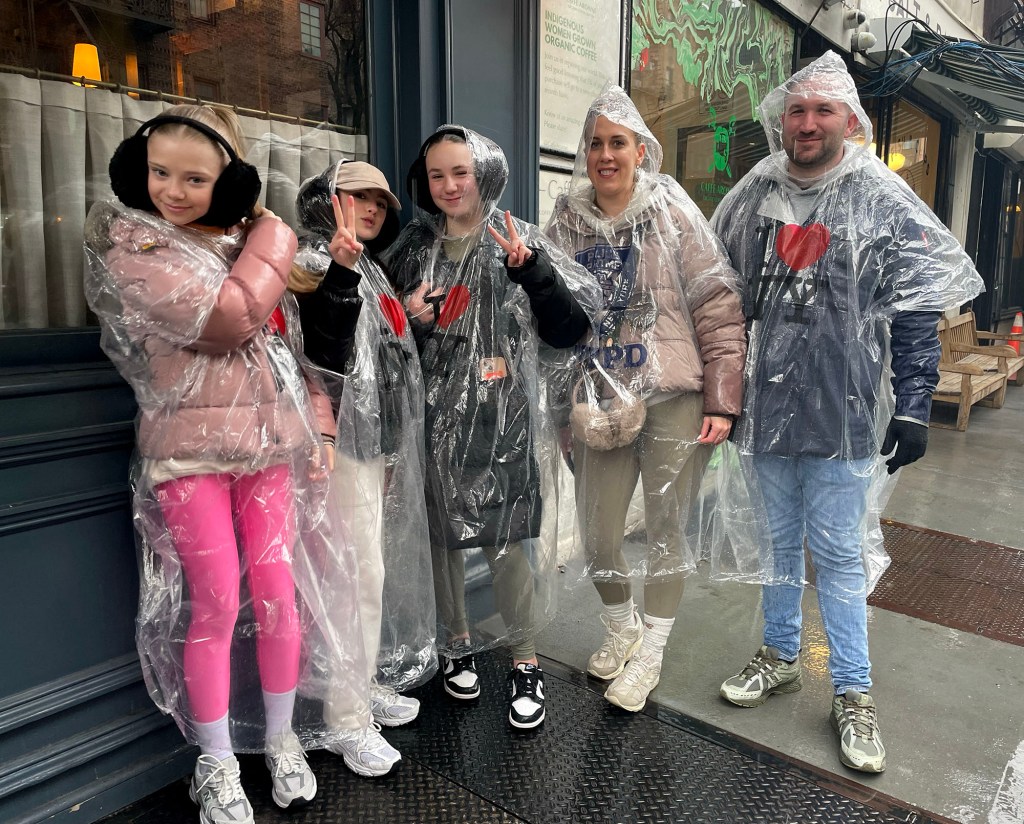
(666, 456)
(513, 592)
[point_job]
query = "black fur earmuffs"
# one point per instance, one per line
(234, 194)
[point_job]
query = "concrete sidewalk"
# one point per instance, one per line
(951, 703)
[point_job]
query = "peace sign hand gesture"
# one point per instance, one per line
(345, 247)
(518, 252)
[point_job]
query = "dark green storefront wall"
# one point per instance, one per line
(77, 729)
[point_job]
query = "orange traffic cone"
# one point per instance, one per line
(1016, 329)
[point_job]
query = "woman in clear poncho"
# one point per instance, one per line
(662, 380)
(229, 480)
(355, 332)
(484, 294)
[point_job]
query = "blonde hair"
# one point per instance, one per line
(222, 120)
(302, 281)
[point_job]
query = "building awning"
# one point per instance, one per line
(988, 80)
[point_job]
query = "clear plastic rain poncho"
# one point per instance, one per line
(230, 498)
(490, 451)
(378, 477)
(845, 276)
(668, 350)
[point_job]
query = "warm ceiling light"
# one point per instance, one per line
(87, 63)
(897, 160)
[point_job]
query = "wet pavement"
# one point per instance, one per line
(948, 665)
(950, 698)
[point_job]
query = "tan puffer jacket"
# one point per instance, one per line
(213, 383)
(697, 341)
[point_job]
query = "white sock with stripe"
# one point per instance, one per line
(656, 632)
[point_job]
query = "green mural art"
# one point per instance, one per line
(720, 45)
(723, 140)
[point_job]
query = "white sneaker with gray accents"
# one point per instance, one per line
(855, 721)
(217, 788)
(765, 675)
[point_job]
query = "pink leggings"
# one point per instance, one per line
(198, 511)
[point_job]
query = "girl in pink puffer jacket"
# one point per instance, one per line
(233, 447)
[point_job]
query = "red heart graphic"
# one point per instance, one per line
(455, 303)
(393, 313)
(276, 322)
(799, 247)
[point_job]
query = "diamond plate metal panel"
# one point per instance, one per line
(973, 586)
(590, 762)
(410, 794)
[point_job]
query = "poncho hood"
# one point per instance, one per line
(490, 169)
(826, 77)
(614, 104)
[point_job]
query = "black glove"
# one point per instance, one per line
(910, 440)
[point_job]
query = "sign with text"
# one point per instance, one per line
(553, 182)
(579, 53)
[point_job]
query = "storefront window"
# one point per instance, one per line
(914, 149)
(77, 77)
(699, 70)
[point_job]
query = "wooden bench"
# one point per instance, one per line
(962, 342)
(970, 373)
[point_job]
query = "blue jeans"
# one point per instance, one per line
(823, 501)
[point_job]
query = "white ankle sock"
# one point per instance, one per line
(620, 613)
(279, 707)
(214, 738)
(656, 632)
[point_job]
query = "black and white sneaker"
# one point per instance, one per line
(460, 678)
(526, 700)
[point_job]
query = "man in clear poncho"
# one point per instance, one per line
(846, 273)
(485, 295)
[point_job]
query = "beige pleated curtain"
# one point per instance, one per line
(56, 140)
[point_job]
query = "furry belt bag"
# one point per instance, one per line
(605, 416)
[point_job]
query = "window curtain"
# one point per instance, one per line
(56, 140)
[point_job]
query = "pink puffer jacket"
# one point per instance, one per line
(212, 381)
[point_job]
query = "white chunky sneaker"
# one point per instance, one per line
(366, 751)
(389, 708)
(855, 720)
(620, 642)
(217, 788)
(292, 779)
(638, 679)
(765, 675)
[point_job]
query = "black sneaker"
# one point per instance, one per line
(526, 701)
(460, 678)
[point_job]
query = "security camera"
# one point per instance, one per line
(854, 18)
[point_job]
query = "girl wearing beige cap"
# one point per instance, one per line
(355, 331)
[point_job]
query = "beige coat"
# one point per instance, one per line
(684, 283)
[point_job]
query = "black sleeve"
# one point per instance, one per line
(561, 321)
(915, 351)
(329, 317)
